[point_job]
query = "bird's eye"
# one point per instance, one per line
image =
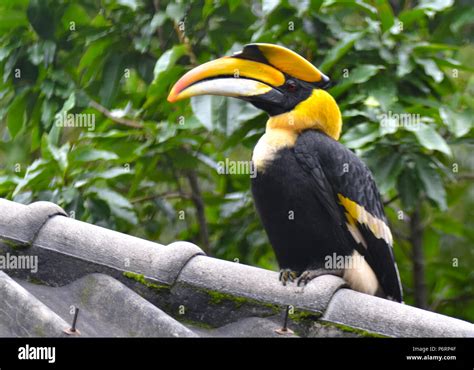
(291, 86)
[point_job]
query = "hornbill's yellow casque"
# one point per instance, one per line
(317, 200)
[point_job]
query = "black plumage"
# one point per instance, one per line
(296, 196)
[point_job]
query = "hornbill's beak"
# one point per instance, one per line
(257, 74)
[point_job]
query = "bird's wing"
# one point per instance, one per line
(347, 190)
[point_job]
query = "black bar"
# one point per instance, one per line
(333, 353)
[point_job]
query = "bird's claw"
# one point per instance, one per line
(309, 275)
(287, 275)
(305, 277)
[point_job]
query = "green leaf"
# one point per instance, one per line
(8, 181)
(385, 13)
(119, 205)
(42, 52)
(92, 176)
(11, 19)
(95, 51)
(269, 6)
(113, 72)
(89, 155)
(387, 170)
(161, 84)
(408, 188)
(35, 138)
(39, 172)
(429, 138)
(360, 74)
(301, 6)
(432, 183)
(23, 4)
(452, 63)
(59, 118)
(233, 4)
(358, 136)
(69, 103)
(41, 18)
(16, 116)
(9, 64)
(371, 10)
(449, 226)
(467, 17)
(436, 47)
(168, 59)
(60, 155)
(435, 5)
(6, 50)
(315, 5)
(389, 123)
(48, 109)
(55, 134)
(457, 123)
(175, 11)
(431, 69)
(113, 172)
(408, 16)
(132, 4)
(383, 89)
(222, 113)
(77, 14)
(339, 50)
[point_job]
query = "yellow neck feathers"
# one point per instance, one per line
(319, 111)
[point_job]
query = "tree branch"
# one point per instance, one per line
(465, 176)
(416, 239)
(108, 114)
(159, 31)
(168, 195)
(184, 40)
(199, 204)
(393, 199)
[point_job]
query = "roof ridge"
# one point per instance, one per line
(184, 282)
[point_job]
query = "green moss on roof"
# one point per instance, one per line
(350, 329)
(33, 280)
(217, 298)
(197, 324)
(14, 244)
(39, 331)
(87, 291)
(303, 315)
(140, 278)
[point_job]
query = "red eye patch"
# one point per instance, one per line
(291, 86)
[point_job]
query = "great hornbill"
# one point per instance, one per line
(316, 199)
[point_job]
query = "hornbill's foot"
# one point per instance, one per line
(309, 275)
(287, 275)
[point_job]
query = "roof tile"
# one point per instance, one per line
(127, 286)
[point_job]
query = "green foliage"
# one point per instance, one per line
(131, 165)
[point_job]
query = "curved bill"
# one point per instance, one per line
(228, 76)
(237, 88)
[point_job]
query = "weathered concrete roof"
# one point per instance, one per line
(126, 286)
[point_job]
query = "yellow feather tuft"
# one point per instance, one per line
(361, 215)
(319, 111)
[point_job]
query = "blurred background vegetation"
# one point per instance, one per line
(148, 168)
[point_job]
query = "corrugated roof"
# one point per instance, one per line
(126, 286)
